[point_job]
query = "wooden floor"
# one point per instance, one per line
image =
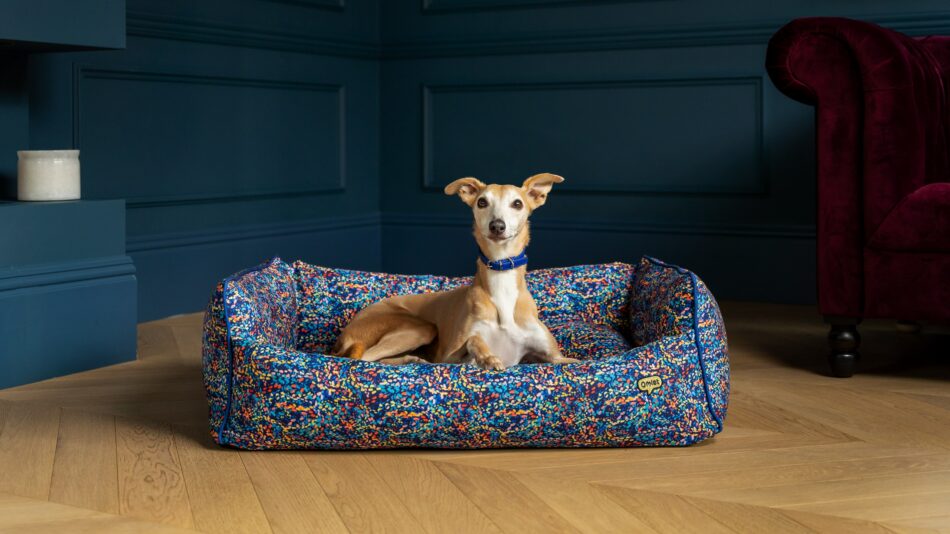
(125, 449)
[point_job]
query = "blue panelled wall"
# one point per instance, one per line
(235, 130)
(325, 129)
(658, 113)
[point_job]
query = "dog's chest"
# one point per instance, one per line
(503, 290)
(508, 340)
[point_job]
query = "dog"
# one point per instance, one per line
(492, 323)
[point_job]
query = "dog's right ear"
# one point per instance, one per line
(467, 189)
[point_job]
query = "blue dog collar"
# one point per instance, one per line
(504, 264)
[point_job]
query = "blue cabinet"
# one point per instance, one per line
(47, 25)
(67, 288)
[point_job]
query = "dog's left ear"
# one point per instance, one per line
(466, 188)
(537, 187)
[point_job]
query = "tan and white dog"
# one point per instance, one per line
(492, 323)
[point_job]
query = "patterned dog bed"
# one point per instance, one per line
(654, 367)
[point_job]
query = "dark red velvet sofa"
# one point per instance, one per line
(883, 170)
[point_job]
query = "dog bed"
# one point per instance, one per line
(654, 368)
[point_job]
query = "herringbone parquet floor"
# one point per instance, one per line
(125, 449)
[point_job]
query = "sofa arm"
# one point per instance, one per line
(877, 94)
(808, 61)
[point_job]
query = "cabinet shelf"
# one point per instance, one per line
(61, 25)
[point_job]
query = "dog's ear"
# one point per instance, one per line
(537, 187)
(467, 189)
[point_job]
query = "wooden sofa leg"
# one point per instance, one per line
(844, 340)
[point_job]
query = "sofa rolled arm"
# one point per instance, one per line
(806, 52)
(888, 85)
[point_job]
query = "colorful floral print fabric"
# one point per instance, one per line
(654, 367)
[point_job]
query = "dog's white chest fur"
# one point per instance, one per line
(508, 340)
(503, 288)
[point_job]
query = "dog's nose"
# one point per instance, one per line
(497, 227)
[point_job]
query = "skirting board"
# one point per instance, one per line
(64, 318)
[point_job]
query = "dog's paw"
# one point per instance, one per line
(490, 362)
(564, 359)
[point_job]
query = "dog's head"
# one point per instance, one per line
(501, 211)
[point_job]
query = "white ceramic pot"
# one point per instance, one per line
(48, 175)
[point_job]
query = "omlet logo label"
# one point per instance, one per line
(650, 383)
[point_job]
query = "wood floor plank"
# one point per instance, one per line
(664, 513)
(937, 523)
(901, 529)
(940, 401)
(177, 338)
(85, 470)
(435, 502)
(838, 525)
(190, 320)
(745, 518)
(153, 374)
(586, 507)
(155, 340)
(631, 465)
(220, 491)
(150, 481)
(873, 418)
(935, 386)
(834, 490)
(883, 508)
(20, 515)
(188, 341)
(290, 495)
(751, 411)
(529, 459)
(361, 497)
(4, 412)
(712, 482)
(172, 394)
(511, 505)
(27, 449)
(748, 518)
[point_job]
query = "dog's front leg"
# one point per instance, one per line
(483, 356)
(550, 352)
(553, 357)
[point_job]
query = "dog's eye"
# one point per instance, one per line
(517, 205)
(482, 203)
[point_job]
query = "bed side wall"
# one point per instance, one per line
(215, 359)
(668, 300)
(711, 337)
(253, 308)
